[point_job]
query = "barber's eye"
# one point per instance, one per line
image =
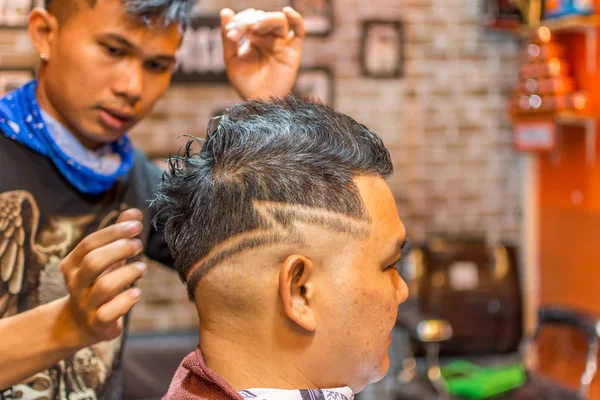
(391, 266)
(156, 67)
(114, 51)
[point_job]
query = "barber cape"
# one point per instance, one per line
(302, 394)
(195, 381)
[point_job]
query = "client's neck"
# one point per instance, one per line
(246, 366)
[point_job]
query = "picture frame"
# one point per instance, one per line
(382, 49)
(14, 13)
(500, 15)
(200, 57)
(14, 78)
(317, 14)
(315, 83)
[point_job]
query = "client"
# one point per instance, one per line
(287, 237)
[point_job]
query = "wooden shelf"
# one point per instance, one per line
(571, 24)
(572, 118)
(563, 117)
(12, 27)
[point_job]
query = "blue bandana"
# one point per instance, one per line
(21, 120)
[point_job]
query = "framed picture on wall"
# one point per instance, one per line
(318, 15)
(381, 50)
(11, 79)
(200, 57)
(315, 83)
(501, 15)
(14, 13)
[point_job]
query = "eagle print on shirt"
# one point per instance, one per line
(30, 276)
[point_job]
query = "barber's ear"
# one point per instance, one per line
(296, 291)
(42, 28)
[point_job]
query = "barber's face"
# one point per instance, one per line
(363, 294)
(106, 71)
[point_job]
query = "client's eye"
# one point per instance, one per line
(391, 266)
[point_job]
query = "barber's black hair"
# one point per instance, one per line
(170, 11)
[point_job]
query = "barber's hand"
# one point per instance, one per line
(262, 50)
(96, 279)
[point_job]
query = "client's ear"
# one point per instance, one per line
(296, 291)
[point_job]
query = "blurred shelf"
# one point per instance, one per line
(587, 25)
(571, 24)
(563, 117)
(13, 27)
(573, 118)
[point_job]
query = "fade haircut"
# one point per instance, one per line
(167, 11)
(268, 165)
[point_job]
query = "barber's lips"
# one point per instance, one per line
(115, 119)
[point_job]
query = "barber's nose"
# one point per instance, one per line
(131, 83)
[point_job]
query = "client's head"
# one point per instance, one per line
(287, 236)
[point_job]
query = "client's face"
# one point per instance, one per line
(363, 294)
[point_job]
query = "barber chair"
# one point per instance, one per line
(465, 300)
(475, 288)
(150, 361)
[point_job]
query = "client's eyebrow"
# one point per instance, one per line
(395, 256)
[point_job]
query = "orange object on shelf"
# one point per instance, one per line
(541, 35)
(578, 101)
(545, 86)
(556, 85)
(554, 67)
(541, 52)
(551, 105)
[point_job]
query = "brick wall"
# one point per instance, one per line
(444, 123)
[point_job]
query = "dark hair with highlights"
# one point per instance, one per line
(169, 11)
(267, 165)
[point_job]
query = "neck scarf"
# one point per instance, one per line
(22, 120)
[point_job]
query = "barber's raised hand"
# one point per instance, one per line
(262, 50)
(98, 281)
